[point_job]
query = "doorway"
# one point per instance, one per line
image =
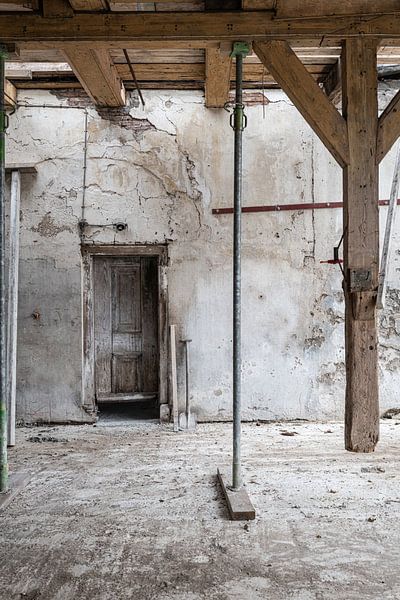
(124, 350)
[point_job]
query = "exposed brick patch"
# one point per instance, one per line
(251, 98)
(116, 116)
(122, 118)
(74, 97)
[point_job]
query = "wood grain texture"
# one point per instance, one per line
(218, 77)
(306, 95)
(286, 9)
(186, 26)
(238, 502)
(88, 5)
(361, 243)
(174, 380)
(102, 325)
(98, 75)
(10, 93)
(57, 9)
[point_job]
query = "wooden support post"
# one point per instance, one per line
(353, 140)
(174, 384)
(361, 243)
(12, 304)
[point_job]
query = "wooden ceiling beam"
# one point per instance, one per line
(98, 75)
(218, 77)
(311, 8)
(306, 95)
(219, 26)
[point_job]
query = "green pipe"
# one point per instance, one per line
(3, 396)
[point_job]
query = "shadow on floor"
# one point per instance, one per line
(116, 413)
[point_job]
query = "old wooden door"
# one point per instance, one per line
(126, 328)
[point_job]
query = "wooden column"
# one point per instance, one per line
(361, 243)
(354, 142)
(12, 303)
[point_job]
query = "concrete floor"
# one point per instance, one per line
(133, 512)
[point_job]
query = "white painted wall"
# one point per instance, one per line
(163, 175)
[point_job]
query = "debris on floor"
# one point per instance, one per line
(134, 511)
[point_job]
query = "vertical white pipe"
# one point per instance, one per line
(12, 308)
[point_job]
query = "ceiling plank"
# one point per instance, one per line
(306, 95)
(218, 77)
(149, 71)
(220, 26)
(97, 75)
(88, 5)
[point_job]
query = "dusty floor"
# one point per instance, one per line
(133, 511)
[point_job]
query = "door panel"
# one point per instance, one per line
(102, 326)
(127, 373)
(126, 327)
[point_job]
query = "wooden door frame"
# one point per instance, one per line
(158, 251)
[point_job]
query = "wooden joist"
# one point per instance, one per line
(361, 244)
(97, 75)
(307, 96)
(218, 77)
(10, 94)
(208, 26)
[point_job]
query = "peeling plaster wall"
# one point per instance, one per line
(162, 170)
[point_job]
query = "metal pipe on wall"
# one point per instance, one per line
(3, 391)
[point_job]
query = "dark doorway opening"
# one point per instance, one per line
(116, 412)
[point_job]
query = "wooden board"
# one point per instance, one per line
(239, 504)
(218, 77)
(22, 167)
(174, 381)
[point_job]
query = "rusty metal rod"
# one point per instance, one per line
(128, 60)
(283, 207)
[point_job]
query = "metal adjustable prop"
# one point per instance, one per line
(239, 505)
